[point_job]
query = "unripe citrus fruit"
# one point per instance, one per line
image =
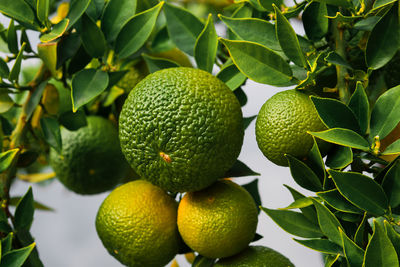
(181, 129)
(137, 225)
(256, 256)
(282, 125)
(91, 160)
(218, 221)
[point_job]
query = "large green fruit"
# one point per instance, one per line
(181, 129)
(91, 160)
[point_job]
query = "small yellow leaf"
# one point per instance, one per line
(36, 177)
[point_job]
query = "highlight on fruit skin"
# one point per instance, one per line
(175, 122)
(218, 221)
(259, 256)
(282, 125)
(136, 223)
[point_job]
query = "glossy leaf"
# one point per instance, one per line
(337, 201)
(12, 38)
(360, 106)
(24, 212)
(299, 203)
(253, 190)
(343, 137)
(303, 175)
(201, 261)
(393, 148)
(253, 30)
(206, 46)
(309, 212)
(239, 169)
(247, 121)
(51, 132)
(231, 76)
(353, 253)
(328, 223)
(383, 42)
(73, 120)
(259, 63)
(393, 236)
(92, 38)
(335, 114)
(136, 31)
(42, 10)
(339, 157)
(385, 113)
(294, 223)
(331, 259)
(16, 257)
(16, 68)
(361, 235)
(342, 3)
(57, 31)
(380, 250)
(18, 10)
(34, 99)
(322, 245)
(76, 10)
(116, 14)
(391, 185)
(183, 27)
(361, 190)
(315, 20)
(6, 158)
(288, 40)
(48, 54)
(336, 59)
(315, 162)
(155, 63)
(4, 70)
(6, 243)
(366, 24)
(86, 85)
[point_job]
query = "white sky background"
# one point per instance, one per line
(67, 237)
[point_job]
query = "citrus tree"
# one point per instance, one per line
(152, 90)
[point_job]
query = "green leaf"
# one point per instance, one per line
(253, 30)
(315, 162)
(206, 46)
(342, 3)
(156, 63)
(12, 39)
(381, 3)
(231, 76)
(385, 113)
(337, 201)
(353, 253)
(328, 223)
(51, 132)
(86, 85)
(335, 114)
(303, 175)
(383, 42)
(6, 158)
(252, 188)
(361, 235)
(331, 259)
(299, 203)
(288, 40)
(76, 10)
(136, 31)
(393, 236)
(393, 148)
(308, 212)
(322, 245)
(247, 121)
(16, 257)
(24, 212)
(116, 14)
(380, 251)
(339, 157)
(362, 191)
(360, 106)
(6, 102)
(259, 63)
(183, 27)
(6, 243)
(16, 68)
(294, 223)
(239, 169)
(391, 185)
(336, 59)
(315, 20)
(73, 120)
(366, 24)
(201, 261)
(57, 31)
(95, 9)
(18, 10)
(92, 38)
(35, 99)
(4, 70)
(42, 10)
(343, 137)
